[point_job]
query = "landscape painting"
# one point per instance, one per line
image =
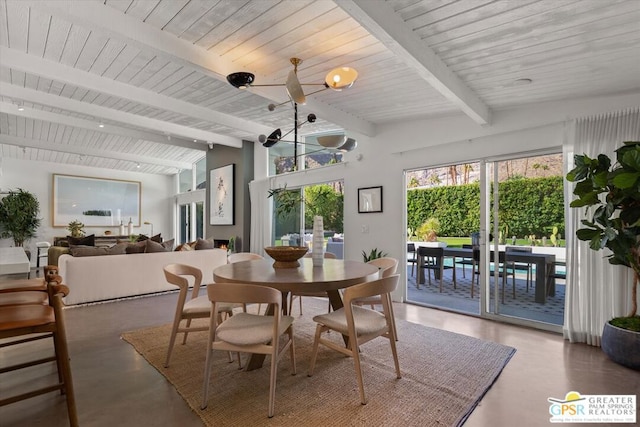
(95, 202)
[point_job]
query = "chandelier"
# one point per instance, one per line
(337, 79)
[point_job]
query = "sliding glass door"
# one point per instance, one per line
(525, 250)
(501, 226)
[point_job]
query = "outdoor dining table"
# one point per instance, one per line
(545, 268)
(333, 275)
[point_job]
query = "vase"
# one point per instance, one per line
(621, 345)
(317, 253)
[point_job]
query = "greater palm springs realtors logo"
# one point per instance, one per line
(606, 408)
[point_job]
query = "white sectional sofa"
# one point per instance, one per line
(100, 278)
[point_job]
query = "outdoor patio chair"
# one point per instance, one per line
(521, 266)
(412, 257)
(464, 261)
(433, 260)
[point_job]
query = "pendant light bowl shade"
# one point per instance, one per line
(272, 139)
(331, 141)
(341, 78)
(349, 145)
(241, 80)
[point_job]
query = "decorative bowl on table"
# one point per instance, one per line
(286, 256)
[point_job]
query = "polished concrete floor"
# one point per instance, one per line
(115, 386)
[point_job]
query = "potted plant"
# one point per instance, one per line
(19, 216)
(374, 254)
(614, 224)
(76, 228)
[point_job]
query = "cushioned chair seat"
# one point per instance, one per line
(197, 305)
(366, 321)
(261, 331)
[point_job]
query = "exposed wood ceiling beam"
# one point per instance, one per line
(388, 27)
(48, 116)
(86, 151)
(114, 23)
(55, 71)
(108, 114)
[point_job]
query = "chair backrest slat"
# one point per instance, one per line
(243, 293)
(387, 265)
(381, 286)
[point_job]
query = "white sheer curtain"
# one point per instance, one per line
(261, 214)
(595, 292)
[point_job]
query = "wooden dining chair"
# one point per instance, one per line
(360, 324)
(300, 294)
(248, 333)
(190, 307)
(387, 266)
(243, 256)
(42, 318)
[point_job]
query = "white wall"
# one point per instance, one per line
(36, 177)
(382, 160)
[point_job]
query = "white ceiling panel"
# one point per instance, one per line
(153, 71)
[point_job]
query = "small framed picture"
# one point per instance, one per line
(369, 199)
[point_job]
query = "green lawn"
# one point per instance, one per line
(457, 242)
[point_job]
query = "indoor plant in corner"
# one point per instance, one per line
(614, 224)
(19, 216)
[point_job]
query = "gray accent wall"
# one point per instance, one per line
(222, 155)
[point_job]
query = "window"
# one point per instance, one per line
(281, 156)
(190, 202)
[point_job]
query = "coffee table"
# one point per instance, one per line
(14, 261)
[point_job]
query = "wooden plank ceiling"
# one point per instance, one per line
(152, 72)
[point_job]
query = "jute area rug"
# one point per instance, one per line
(444, 376)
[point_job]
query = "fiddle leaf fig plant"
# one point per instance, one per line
(19, 216)
(611, 195)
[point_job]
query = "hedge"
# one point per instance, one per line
(527, 206)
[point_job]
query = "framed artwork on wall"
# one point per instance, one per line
(370, 199)
(95, 202)
(221, 185)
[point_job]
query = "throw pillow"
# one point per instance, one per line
(204, 244)
(119, 248)
(152, 247)
(184, 247)
(81, 251)
(141, 238)
(82, 241)
(156, 238)
(168, 245)
(136, 248)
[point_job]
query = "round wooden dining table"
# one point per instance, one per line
(333, 275)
